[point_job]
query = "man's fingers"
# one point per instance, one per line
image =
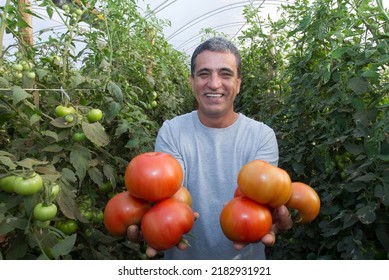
(238, 245)
(133, 233)
(269, 239)
(151, 252)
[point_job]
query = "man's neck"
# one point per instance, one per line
(218, 121)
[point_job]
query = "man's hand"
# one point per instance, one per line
(281, 222)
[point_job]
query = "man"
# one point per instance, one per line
(212, 144)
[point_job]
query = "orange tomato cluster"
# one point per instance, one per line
(262, 187)
(155, 200)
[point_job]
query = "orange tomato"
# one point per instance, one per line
(265, 183)
(305, 200)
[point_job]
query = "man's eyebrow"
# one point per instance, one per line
(223, 69)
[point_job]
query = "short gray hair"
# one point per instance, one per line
(217, 44)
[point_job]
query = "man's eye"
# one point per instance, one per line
(226, 74)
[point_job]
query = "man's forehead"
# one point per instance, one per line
(216, 61)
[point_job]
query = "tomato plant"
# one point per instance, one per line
(44, 212)
(94, 115)
(28, 185)
(166, 222)
(265, 183)
(244, 220)
(61, 110)
(123, 210)
(153, 176)
(305, 200)
(183, 194)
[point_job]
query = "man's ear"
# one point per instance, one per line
(191, 81)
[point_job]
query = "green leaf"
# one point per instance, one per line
(19, 94)
(7, 162)
(30, 162)
(112, 111)
(370, 74)
(382, 232)
(133, 143)
(95, 133)
(366, 214)
(109, 172)
(366, 178)
(35, 118)
(68, 175)
(352, 148)
(116, 92)
(64, 247)
(4, 83)
(336, 54)
(79, 158)
(382, 192)
(55, 148)
(358, 85)
(96, 175)
(51, 134)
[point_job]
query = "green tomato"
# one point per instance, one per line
(54, 191)
(79, 136)
(105, 187)
(18, 75)
(29, 185)
(18, 67)
(94, 115)
(154, 95)
(61, 110)
(69, 118)
(31, 75)
(68, 226)
(87, 213)
(7, 183)
(45, 212)
(153, 104)
(98, 216)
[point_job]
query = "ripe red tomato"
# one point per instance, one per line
(244, 220)
(183, 195)
(265, 183)
(123, 210)
(166, 222)
(153, 176)
(305, 200)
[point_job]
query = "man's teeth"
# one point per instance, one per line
(214, 95)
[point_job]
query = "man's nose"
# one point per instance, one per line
(214, 81)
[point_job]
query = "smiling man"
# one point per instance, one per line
(216, 82)
(212, 143)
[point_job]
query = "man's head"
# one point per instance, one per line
(217, 44)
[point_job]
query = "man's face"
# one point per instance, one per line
(215, 83)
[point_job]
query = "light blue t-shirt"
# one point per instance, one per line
(211, 159)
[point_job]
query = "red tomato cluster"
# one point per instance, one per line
(262, 187)
(155, 200)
